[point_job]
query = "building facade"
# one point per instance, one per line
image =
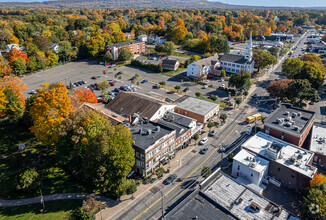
(135, 47)
(169, 64)
(202, 68)
(318, 144)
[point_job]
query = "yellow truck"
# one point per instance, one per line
(253, 118)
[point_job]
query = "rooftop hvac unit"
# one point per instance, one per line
(294, 114)
(299, 113)
(278, 121)
(287, 113)
(252, 164)
(292, 159)
(148, 132)
(140, 131)
(296, 128)
(288, 124)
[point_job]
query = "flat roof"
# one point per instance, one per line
(289, 119)
(145, 133)
(262, 144)
(237, 198)
(318, 139)
(248, 158)
(197, 105)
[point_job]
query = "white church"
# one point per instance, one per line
(237, 61)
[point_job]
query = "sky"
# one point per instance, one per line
(289, 3)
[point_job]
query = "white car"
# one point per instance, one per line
(203, 141)
(222, 86)
(205, 87)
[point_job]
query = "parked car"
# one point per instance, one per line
(165, 161)
(84, 82)
(119, 73)
(34, 92)
(186, 89)
(113, 65)
(203, 141)
(117, 90)
(222, 86)
(112, 83)
(144, 81)
(170, 179)
(212, 133)
(94, 77)
(168, 100)
(205, 87)
(156, 86)
(204, 150)
(224, 148)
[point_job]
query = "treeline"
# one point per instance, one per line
(156, 68)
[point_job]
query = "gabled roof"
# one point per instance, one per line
(169, 62)
(132, 102)
(233, 58)
(209, 61)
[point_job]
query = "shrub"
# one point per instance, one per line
(245, 93)
(155, 68)
(131, 188)
(29, 179)
(198, 94)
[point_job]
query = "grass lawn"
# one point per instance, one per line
(173, 72)
(53, 178)
(54, 210)
(222, 105)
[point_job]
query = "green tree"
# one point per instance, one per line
(223, 117)
(300, 90)
(159, 48)
(198, 94)
(313, 72)
(108, 56)
(13, 108)
(210, 125)
(314, 202)
(131, 188)
(223, 73)
(241, 81)
(274, 51)
(32, 64)
(169, 47)
(103, 86)
(238, 101)
(177, 87)
(195, 137)
(28, 179)
(19, 66)
(125, 54)
(95, 151)
(52, 58)
(263, 59)
(162, 83)
(206, 172)
(291, 67)
(65, 50)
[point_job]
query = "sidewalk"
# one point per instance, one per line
(126, 201)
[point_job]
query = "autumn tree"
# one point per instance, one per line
(14, 40)
(263, 59)
(179, 31)
(103, 86)
(95, 151)
(52, 58)
(49, 109)
(84, 95)
(15, 54)
(291, 67)
(5, 68)
(317, 179)
(314, 202)
(278, 89)
(42, 43)
(19, 66)
(95, 45)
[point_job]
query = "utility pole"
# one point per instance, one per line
(42, 200)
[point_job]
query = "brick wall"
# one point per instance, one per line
(199, 118)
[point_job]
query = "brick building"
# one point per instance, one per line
(318, 144)
(290, 124)
(135, 47)
(153, 143)
(196, 108)
(289, 165)
(169, 64)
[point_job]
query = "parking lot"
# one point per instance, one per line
(85, 70)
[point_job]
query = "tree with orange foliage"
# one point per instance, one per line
(318, 179)
(15, 54)
(180, 31)
(15, 84)
(5, 69)
(3, 100)
(201, 35)
(14, 40)
(84, 95)
(49, 109)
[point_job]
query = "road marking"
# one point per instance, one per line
(186, 176)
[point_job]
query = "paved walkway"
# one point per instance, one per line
(63, 196)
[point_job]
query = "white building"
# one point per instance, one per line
(249, 167)
(11, 46)
(235, 63)
(159, 40)
(203, 67)
(318, 144)
(142, 38)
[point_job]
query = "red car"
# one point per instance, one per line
(112, 83)
(94, 77)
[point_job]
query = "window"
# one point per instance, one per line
(282, 135)
(237, 173)
(185, 113)
(178, 110)
(233, 65)
(147, 165)
(292, 176)
(251, 175)
(238, 167)
(278, 169)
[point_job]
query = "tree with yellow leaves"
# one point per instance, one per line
(180, 31)
(14, 40)
(49, 109)
(5, 69)
(318, 179)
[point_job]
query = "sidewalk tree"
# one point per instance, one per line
(108, 56)
(238, 101)
(223, 73)
(263, 59)
(241, 81)
(195, 137)
(291, 67)
(210, 125)
(198, 94)
(206, 172)
(223, 117)
(274, 51)
(49, 109)
(177, 87)
(300, 90)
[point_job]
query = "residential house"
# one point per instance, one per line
(290, 124)
(289, 165)
(151, 38)
(55, 47)
(128, 36)
(169, 64)
(196, 108)
(135, 47)
(133, 103)
(202, 68)
(142, 38)
(153, 142)
(240, 62)
(11, 46)
(318, 144)
(159, 40)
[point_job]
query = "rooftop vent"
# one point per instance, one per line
(294, 114)
(279, 120)
(300, 156)
(148, 132)
(296, 128)
(288, 124)
(292, 159)
(157, 129)
(299, 113)
(252, 164)
(286, 113)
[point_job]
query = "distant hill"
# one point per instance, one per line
(200, 4)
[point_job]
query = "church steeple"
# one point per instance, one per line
(248, 54)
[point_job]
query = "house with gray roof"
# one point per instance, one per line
(203, 67)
